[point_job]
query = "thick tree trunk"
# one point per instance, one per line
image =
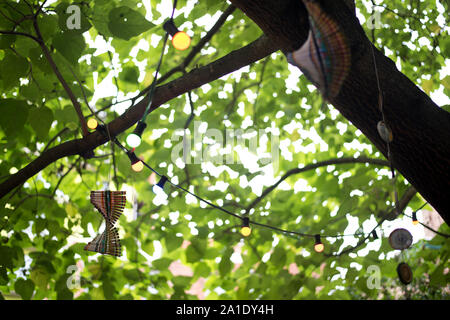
(421, 130)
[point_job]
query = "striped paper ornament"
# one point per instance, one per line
(107, 242)
(325, 57)
(109, 203)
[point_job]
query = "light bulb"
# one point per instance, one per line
(92, 124)
(138, 166)
(133, 140)
(159, 187)
(181, 40)
(318, 246)
(245, 229)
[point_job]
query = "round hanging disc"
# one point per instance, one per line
(400, 239)
(404, 273)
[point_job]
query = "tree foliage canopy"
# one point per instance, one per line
(107, 64)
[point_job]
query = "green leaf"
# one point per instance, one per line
(70, 45)
(108, 290)
(62, 291)
(437, 278)
(129, 74)
(196, 250)
(278, 257)
(14, 115)
(6, 257)
(162, 264)
(12, 68)
(172, 242)
(40, 277)
(41, 120)
(100, 16)
(225, 264)
(3, 276)
(125, 23)
(24, 288)
(6, 40)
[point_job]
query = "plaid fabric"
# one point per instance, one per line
(325, 57)
(107, 242)
(109, 203)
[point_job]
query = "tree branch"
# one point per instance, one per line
(235, 60)
(421, 146)
(195, 50)
(61, 79)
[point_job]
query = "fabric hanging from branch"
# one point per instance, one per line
(325, 57)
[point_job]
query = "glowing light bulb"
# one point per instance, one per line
(92, 124)
(181, 40)
(318, 246)
(133, 140)
(138, 166)
(245, 229)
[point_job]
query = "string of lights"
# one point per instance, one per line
(180, 41)
(138, 165)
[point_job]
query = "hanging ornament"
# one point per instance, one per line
(110, 204)
(107, 242)
(404, 273)
(400, 239)
(325, 57)
(384, 132)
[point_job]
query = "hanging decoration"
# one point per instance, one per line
(109, 203)
(325, 57)
(404, 273)
(400, 239)
(107, 242)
